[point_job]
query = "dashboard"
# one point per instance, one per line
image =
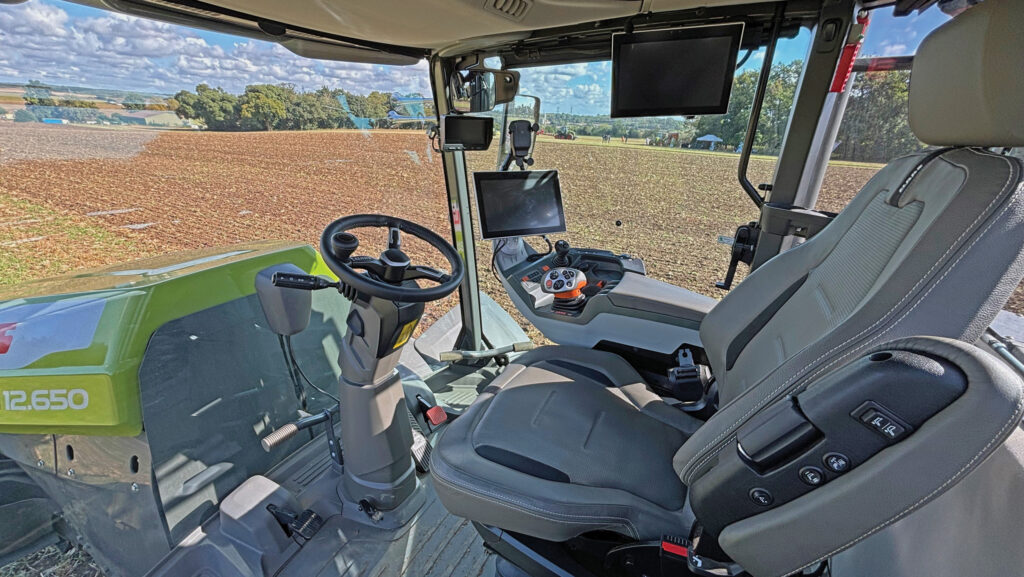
(611, 300)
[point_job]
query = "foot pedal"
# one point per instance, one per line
(304, 525)
(420, 446)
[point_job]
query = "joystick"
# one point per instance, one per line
(561, 254)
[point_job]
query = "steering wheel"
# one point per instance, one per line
(386, 277)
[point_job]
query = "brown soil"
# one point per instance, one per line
(186, 190)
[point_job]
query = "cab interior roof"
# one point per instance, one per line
(591, 43)
(400, 32)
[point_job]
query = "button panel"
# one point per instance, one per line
(561, 280)
(882, 421)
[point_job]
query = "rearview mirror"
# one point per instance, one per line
(481, 89)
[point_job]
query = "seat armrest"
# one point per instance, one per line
(644, 293)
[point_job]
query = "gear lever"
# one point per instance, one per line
(561, 254)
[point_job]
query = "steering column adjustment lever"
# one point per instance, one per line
(301, 281)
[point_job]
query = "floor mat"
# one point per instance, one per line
(435, 544)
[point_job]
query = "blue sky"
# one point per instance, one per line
(66, 43)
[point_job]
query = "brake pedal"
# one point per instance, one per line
(420, 446)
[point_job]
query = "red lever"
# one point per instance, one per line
(436, 415)
(675, 549)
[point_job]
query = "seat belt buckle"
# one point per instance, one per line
(679, 556)
(436, 416)
(684, 380)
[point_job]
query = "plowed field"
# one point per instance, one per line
(73, 198)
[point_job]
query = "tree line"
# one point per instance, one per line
(875, 127)
(282, 107)
(40, 104)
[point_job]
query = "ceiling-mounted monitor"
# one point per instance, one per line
(674, 72)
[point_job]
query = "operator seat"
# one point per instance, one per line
(568, 441)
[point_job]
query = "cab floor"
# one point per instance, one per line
(434, 544)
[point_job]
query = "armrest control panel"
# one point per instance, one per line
(812, 438)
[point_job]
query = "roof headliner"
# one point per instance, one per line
(404, 31)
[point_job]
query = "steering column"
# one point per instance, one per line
(387, 304)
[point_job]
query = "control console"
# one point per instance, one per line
(583, 297)
(563, 282)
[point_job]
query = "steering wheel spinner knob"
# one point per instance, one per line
(343, 244)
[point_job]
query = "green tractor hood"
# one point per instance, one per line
(71, 347)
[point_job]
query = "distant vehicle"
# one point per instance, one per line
(668, 139)
(564, 133)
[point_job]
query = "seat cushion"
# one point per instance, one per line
(564, 442)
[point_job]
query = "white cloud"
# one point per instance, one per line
(41, 41)
(581, 87)
(894, 50)
(590, 93)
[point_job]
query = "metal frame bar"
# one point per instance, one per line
(812, 91)
(755, 110)
(459, 218)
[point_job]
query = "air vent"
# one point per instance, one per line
(511, 9)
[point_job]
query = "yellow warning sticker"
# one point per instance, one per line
(403, 337)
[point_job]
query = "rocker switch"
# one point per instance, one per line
(882, 422)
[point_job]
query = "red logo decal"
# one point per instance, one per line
(6, 339)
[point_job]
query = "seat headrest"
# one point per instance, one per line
(967, 84)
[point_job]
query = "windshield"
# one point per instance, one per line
(660, 188)
(123, 138)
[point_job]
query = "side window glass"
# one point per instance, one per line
(875, 128)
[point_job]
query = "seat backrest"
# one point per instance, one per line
(875, 272)
(928, 246)
(931, 246)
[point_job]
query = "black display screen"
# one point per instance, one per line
(520, 203)
(686, 71)
(467, 132)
